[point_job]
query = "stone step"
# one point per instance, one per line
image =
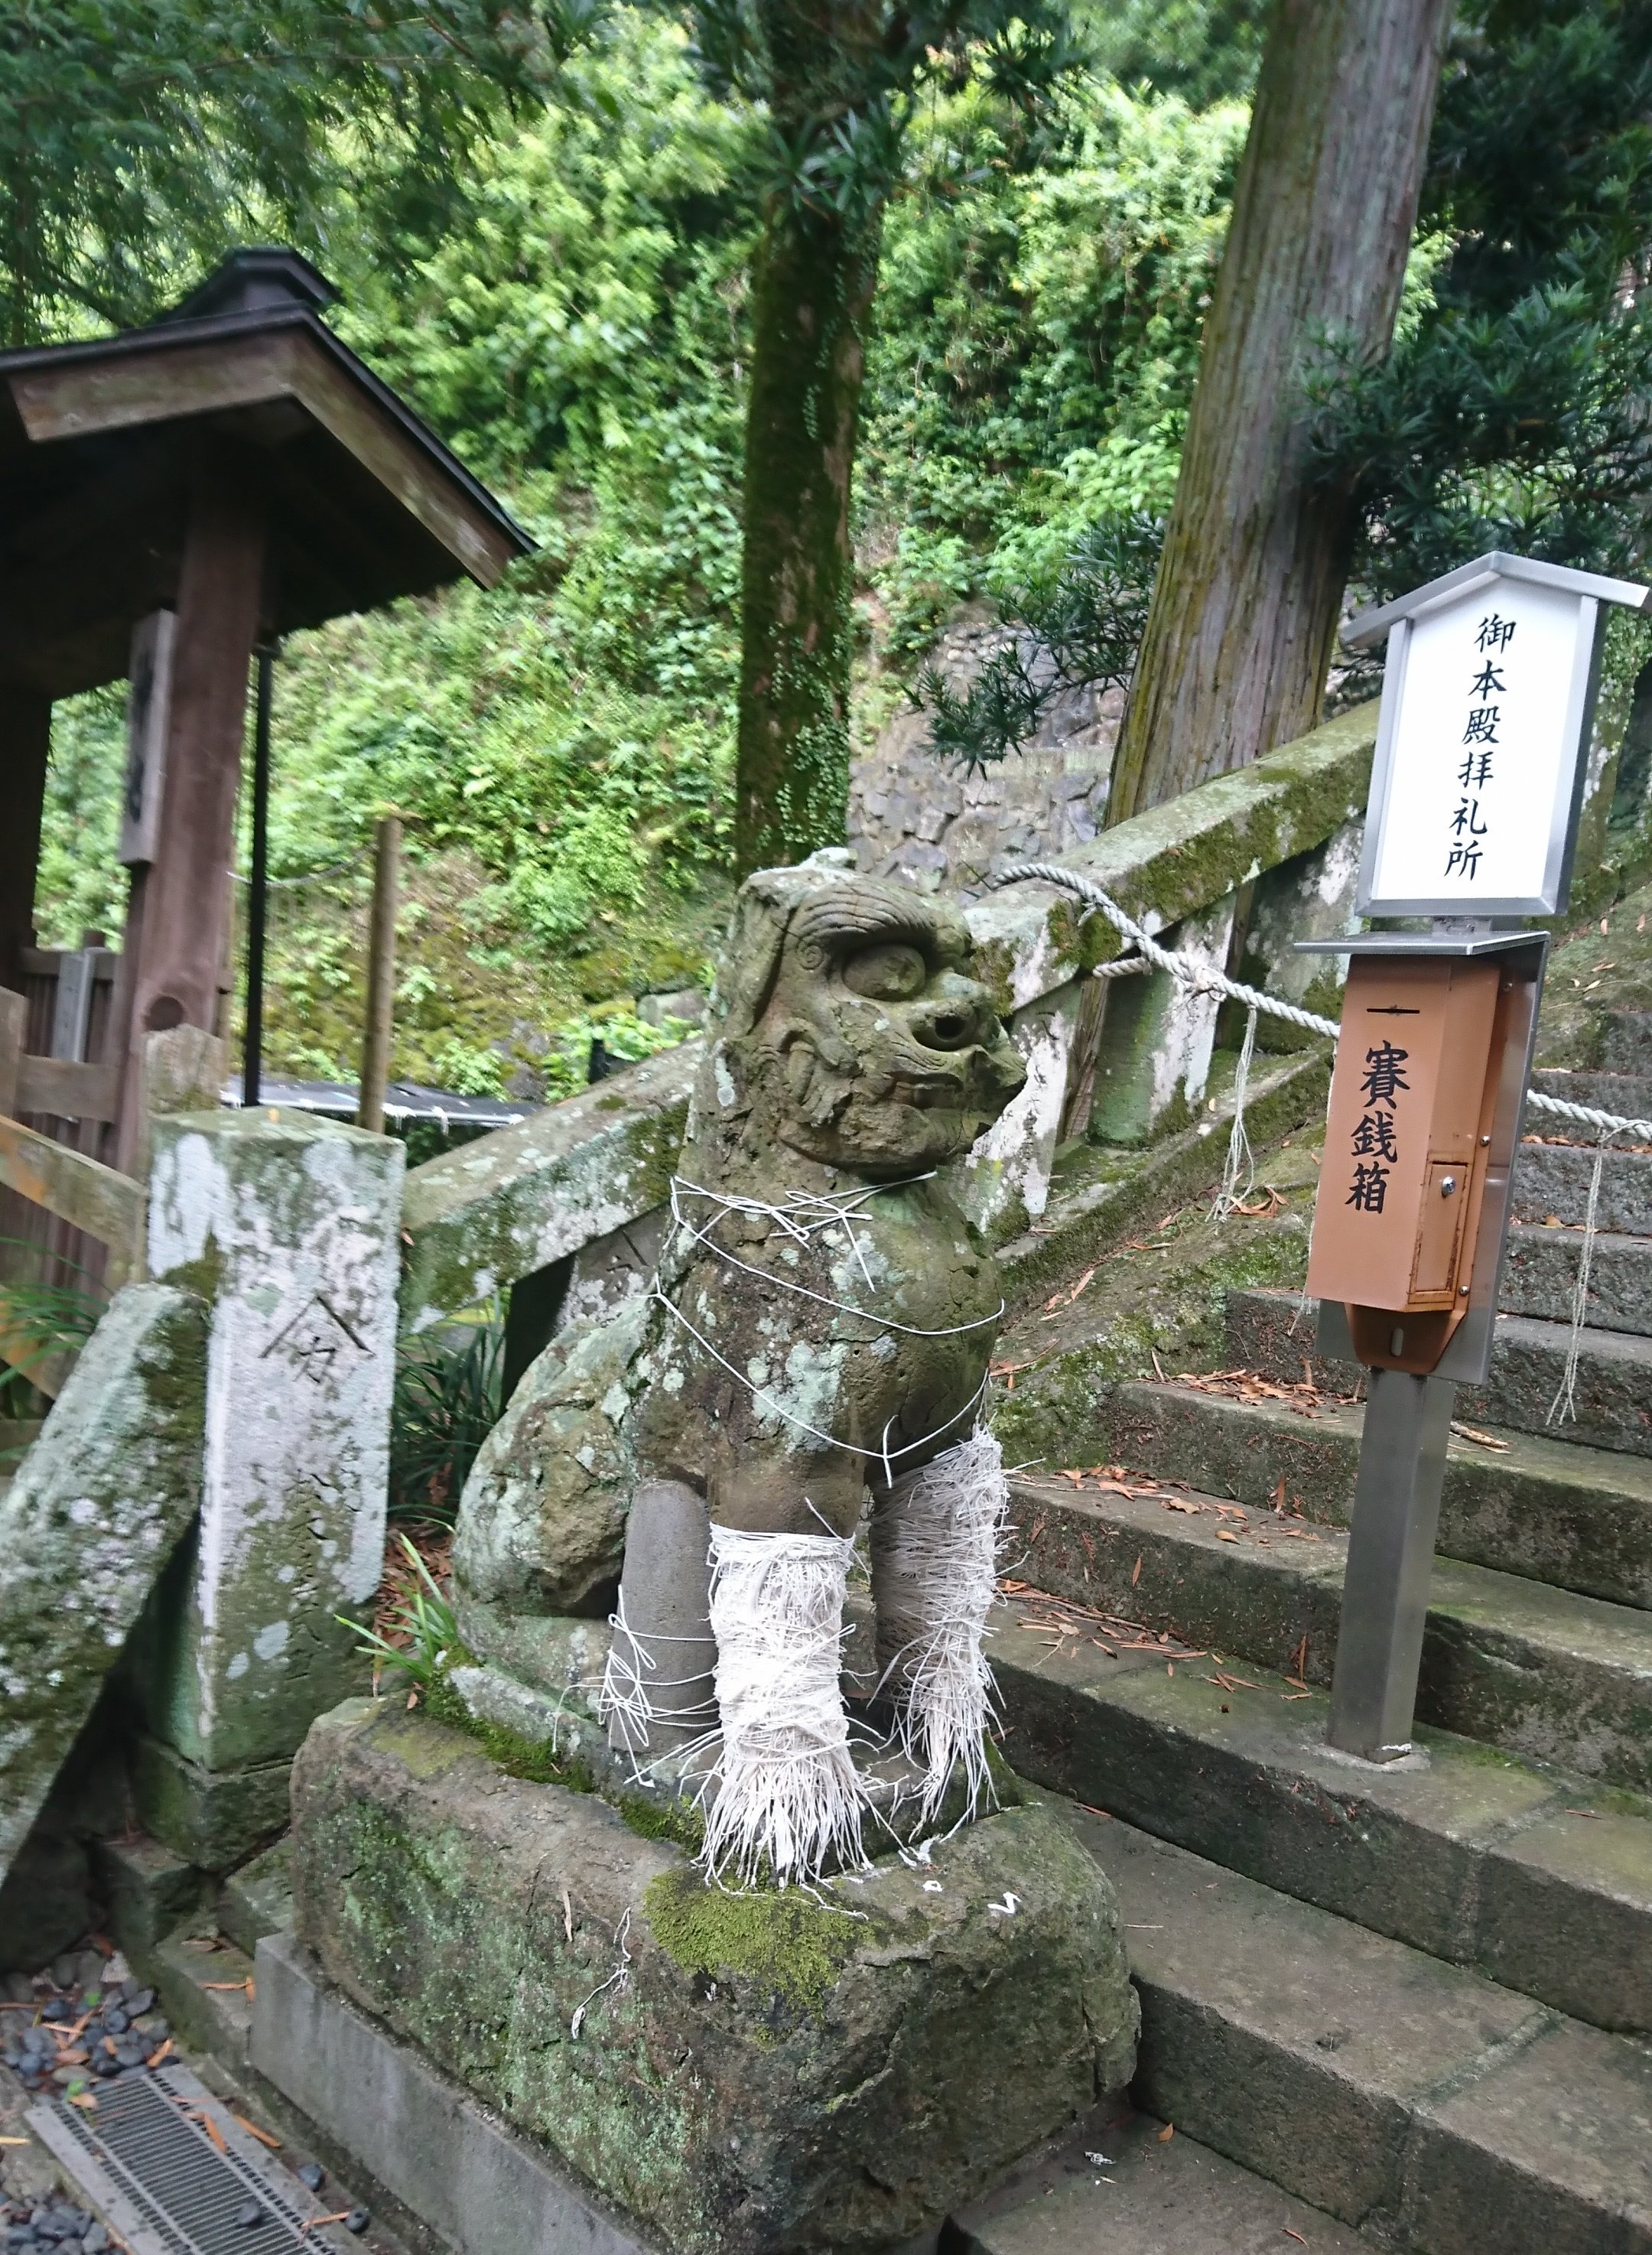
(1137, 2185)
(1539, 1671)
(1542, 1267)
(1628, 1094)
(1439, 2112)
(1626, 1041)
(1271, 1333)
(1579, 1518)
(1551, 1183)
(1542, 1882)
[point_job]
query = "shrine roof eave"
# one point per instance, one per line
(365, 503)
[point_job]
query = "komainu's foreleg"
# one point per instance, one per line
(788, 1800)
(935, 1543)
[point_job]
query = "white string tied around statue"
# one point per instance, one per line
(630, 1682)
(935, 1540)
(783, 1791)
(785, 1769)
(788, 1218)
(824, 1212)
(1205, 979)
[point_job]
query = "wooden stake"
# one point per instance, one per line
(381, 976)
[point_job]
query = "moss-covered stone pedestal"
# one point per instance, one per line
(742, 2074)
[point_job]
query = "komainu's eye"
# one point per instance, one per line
(891, 971)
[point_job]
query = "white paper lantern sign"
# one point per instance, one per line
(1487, 702)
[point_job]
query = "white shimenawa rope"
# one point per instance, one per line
(935, 1543)
(1203, 978)
(1564, 1405)
(784, 1794)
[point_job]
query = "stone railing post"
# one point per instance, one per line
(287, 1227)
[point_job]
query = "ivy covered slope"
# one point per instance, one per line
(561, 748)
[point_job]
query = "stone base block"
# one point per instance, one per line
(438, 2156)
(215, 1819)
(738, 2074)
(257, 1900)
(149, 1891)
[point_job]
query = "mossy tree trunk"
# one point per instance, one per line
(813, 284)
(1243, 619)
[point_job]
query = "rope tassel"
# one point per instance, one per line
(787, 1798)
(935, 1544)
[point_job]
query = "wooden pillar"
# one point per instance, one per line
(26, 738)
(180, 902)
(381, 976)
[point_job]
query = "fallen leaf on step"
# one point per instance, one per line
(1167, 2133)
(1225, 1535)
(1474, 1433)
(1135, 1573)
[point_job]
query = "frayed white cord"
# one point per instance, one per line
(1240, 1158)
(1564, 1408)
(619, 1979)
(784, 1796)
(935, 1545)
(631, 1681)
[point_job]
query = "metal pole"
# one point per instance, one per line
(381, 976)
(258, 886)
(1396, 1508)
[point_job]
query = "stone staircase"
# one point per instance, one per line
(1418, 1997)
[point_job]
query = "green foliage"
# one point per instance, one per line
(1038, 334)
(561, 748)
(1512, 412)
(138, 137)
(1083, 626)
(1206, 51)
(424, 1642)
(446, 1402)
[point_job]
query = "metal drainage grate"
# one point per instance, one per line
(146, 2162)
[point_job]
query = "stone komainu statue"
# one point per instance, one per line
(822, 1323)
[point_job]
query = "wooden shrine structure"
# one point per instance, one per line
(171, 497)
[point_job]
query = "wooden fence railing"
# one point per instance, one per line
(95, 1204)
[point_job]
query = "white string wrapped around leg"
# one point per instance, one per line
(787, 1796)
(935, 1545)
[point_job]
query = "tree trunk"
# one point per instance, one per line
(1244, 614)
(812, 287)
